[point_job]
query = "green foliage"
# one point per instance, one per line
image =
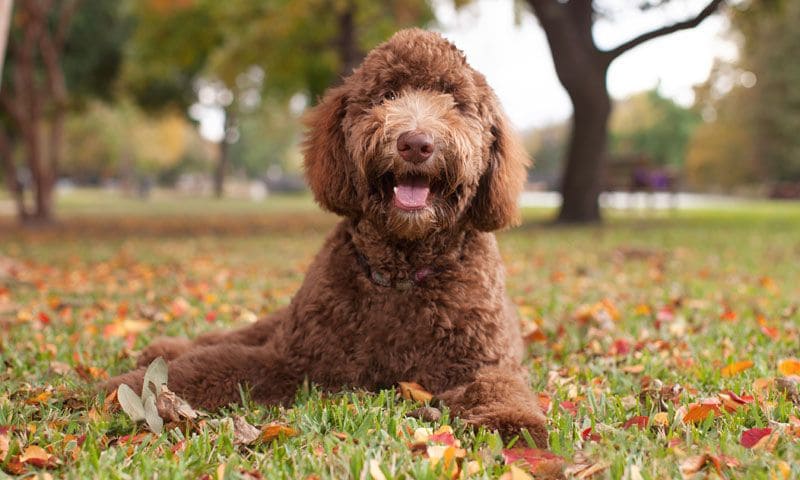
(652, 125)
(269, 137)
(121, 141)
(771, 43)
(93, 51)
(752, 106)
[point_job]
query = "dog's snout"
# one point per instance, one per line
(415, 146)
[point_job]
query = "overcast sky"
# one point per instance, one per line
(516, 58)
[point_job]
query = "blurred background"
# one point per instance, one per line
(193, 106)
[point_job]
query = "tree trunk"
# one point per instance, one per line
(224, 156)
(582, 180)
(15, 187)
(581, 68)
(350, 54)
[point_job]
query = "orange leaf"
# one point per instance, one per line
(414, 391)
(275, 430)
(38, 457)
(789, 366)
(736, 367)
(4, 443)
(700, 411)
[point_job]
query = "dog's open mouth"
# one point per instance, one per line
(411, 192)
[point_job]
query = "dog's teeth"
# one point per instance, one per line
(395, 189)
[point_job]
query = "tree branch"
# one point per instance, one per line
(666, 30)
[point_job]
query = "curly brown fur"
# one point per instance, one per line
(410, 285)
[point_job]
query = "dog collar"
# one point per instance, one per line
(400, 282)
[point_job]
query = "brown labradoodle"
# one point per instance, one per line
(415, 153)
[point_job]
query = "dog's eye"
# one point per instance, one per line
(389, 95)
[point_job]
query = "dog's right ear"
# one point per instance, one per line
(329, 170)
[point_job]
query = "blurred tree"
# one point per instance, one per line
(60, 52)
(770, 42)
(582, 68)
(721, 153)
(650, 124)
(751, 106)
(299, 46)
(120, 141)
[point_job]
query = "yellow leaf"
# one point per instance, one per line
(736, 367)
(782, 471)
(414, 391)
(789, 366)
(660, 419)
(375, 470)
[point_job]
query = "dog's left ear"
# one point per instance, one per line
(495, 203)
(329, 169)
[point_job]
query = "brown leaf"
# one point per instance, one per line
(173, 408)
(750, 438)
(243, 432)
(427, 414)
(414, 391)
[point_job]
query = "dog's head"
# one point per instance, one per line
(416, 141)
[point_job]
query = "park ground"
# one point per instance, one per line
(662, 346)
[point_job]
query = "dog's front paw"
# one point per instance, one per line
(169, 348)
(133, 379)
(510, 423)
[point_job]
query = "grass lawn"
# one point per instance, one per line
(655, 342)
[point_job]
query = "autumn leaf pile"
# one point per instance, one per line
(660, 348)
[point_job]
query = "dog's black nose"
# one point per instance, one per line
(415, 146)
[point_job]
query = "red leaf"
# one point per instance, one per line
(445, 438)
(44, 318)
(639, 421)
(569, 406)
(538, 461)
(588, 435)
(620, 347)
(751, 437)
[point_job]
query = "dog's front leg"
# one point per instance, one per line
(499, 398)
(210, 377)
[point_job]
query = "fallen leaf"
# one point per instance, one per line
(243, 432)
(692, 465)
(697, 412)
(736, 367)
(538, 462)
(414, 391)
(515, 473)
(752, 436)
(4, 443)
(130, 402)
(638, 421)
(275, 430)
(427, 414)
(38, 457)
(173, 408)
(660, 420)
(789, 366)
(375, 470)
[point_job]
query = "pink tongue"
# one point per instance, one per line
(412, 193)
